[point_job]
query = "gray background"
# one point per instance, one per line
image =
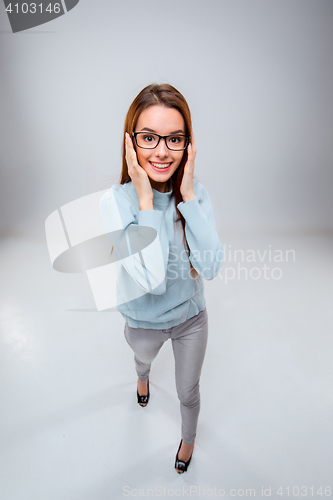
(258, 78)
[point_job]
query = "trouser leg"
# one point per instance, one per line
(145, 343)
(189, 343)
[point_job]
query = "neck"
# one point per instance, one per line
(162, 187)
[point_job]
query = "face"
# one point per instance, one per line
(160, 163)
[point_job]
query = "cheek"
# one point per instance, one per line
(179, 159)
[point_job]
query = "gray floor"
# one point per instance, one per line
(70, 424)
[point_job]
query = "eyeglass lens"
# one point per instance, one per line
(150, 141)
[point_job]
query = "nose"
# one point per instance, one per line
(162, 151)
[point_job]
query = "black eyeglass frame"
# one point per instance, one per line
(187, 138)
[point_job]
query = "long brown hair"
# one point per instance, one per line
(168, 96)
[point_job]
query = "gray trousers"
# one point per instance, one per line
(189, 341)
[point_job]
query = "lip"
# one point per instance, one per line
(159, 169)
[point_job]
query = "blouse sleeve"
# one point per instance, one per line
(206, 250)
(146, 264)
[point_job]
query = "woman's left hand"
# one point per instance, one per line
(186, 187)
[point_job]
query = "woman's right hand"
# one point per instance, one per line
(138, 176)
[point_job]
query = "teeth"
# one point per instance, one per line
(159, 165)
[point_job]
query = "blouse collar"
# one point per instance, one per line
(162, 199)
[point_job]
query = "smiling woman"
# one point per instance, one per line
(158, 190)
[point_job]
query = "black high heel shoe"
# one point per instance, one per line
(143, 400)
(179, 464)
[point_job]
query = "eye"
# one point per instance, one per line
(149, 138)
(175, 139)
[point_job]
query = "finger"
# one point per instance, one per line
(129, 160)
(130, 151)
(126, 144)
(126, 139)
(131, 148)
(194, 149)
(191, 154)
(130, 142)
(128, 156)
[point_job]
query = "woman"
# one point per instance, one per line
(158, 190)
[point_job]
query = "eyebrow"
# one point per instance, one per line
(154, 131)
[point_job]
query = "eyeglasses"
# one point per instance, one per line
(176, 142)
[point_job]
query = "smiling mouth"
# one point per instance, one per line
(160, 166)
